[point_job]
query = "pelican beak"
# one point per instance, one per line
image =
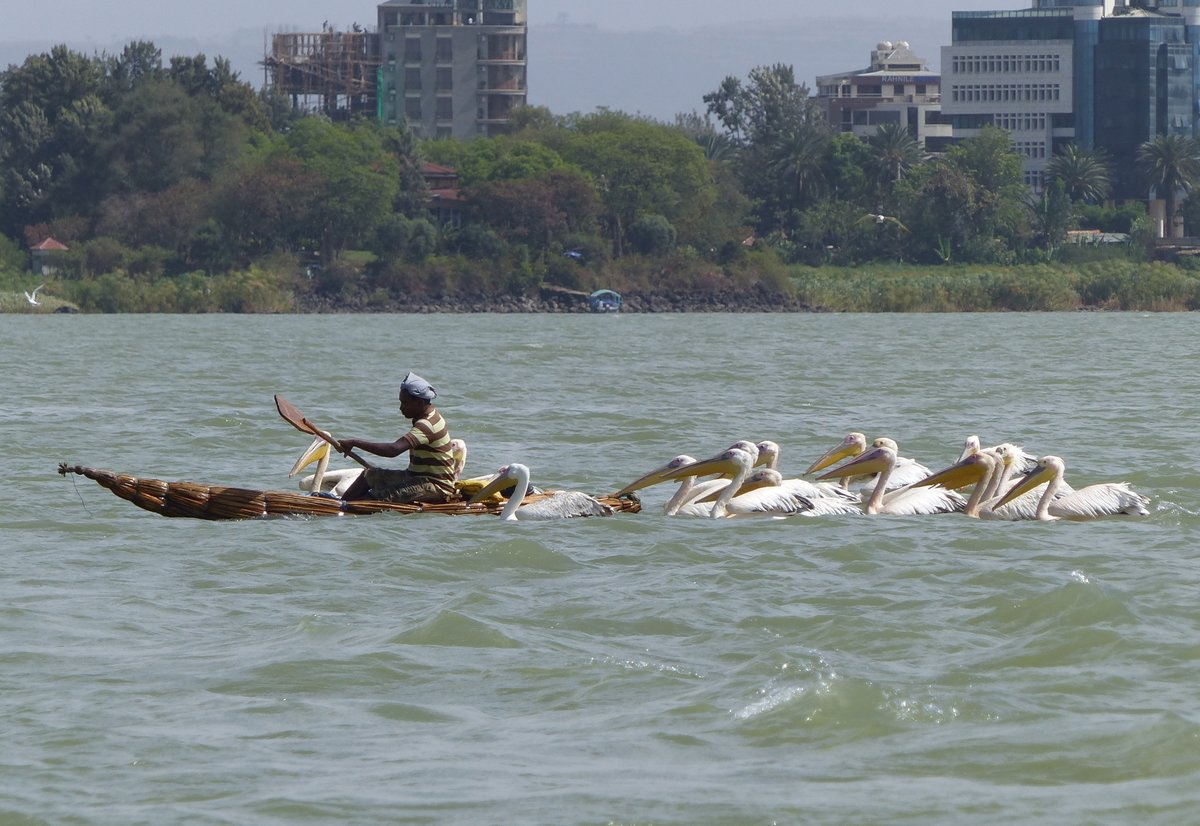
(847, 448)
(867, 464)
(318, 450)
(1025, 484)
(494, 485)
(966, 472)
(654, 477)
(722, 465)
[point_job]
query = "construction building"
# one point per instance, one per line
(449, 68)
(329, 71)
(1099, 73)
(452, 68)
(896, 87)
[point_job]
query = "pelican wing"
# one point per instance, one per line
(923, 500)
(564, 504)
(1098, 501)
(767, 501)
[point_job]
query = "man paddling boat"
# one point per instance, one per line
(429, 477)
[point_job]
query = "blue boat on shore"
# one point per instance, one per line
(605, 301)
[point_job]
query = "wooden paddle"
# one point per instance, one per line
(297, 420)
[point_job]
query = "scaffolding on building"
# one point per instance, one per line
(330, 71)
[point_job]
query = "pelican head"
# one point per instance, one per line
(967, 471)
(768, 454)
(657, 475)
(876, 460)
(761, 478)
(505, 477)
(458, 455)
(728, 462)
(970, 445)
(1047, 468)
(318, 451)
(853, 445)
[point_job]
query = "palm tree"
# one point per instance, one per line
(896, 152)
(1170, 164)
(797, 160)
(1085, 176)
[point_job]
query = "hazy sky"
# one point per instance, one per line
(70, 20)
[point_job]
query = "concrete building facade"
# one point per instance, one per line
(452, 68)
(1100, 73)
(896, 87)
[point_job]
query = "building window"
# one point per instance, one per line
(412, 50)
(412, 78)
(445, 108)
(445, 79)
(412, 108)
(445, 50)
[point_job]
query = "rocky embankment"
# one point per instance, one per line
(552, 301)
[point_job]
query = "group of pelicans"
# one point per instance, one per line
(1005, 483)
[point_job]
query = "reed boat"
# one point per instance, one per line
(215, 502)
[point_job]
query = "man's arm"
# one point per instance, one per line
(388, 450)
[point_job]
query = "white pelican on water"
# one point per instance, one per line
(562, 504)
(906, 501)
(768, 454)
(682, 502)
(904, 473)
(31, 297)
(323, 480)
(990, 471)
(1092, 502)
(739, 460)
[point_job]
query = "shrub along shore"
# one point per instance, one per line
(678, 284)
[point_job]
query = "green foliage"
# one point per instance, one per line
(652, 235)
(12, 258)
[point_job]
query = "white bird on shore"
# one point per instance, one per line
(31, 297)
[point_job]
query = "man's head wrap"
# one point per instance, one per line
(417, 387)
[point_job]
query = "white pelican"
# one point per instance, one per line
(904, 473)
(739, 460)
(562, 504)
(682, 502)
(1021, 460)
(768, 454)
(324, 480)
(31, 297)
(904, 501)
(990, 470)
(1092, 502)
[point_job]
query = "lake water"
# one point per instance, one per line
(632, 670)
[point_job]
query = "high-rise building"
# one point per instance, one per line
(896, 87)
(452, 68)
(1098, 73)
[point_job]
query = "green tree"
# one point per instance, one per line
(1085, 176)
(1169, 164)
(642, 167)
(797, 163)
(355, 180)
(896, 153)
(1050, 216)
(780, 134)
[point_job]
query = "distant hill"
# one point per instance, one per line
(657, 73)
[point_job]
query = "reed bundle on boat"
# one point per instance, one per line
(214, 502)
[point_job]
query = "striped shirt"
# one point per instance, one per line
(429, 450)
